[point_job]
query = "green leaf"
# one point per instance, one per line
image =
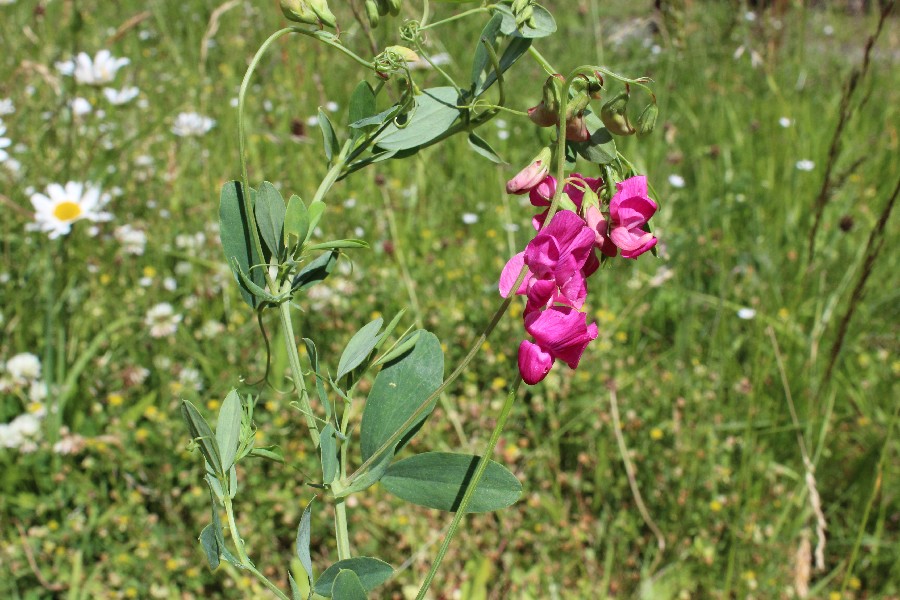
(203, 435)
(544, 23)
(234, 231)
(481, 62)
(328, 451)
(370, 573)
(362, 105)
(514, 51)
(601, 148)
(359, 347)
(210, 546)
(333, 244)
(313, 355)
(296, 222)
(271, 452)
(370, 477)
(303, 537)
(434, 113)
(228, 428)
(295, 589)
(399, 350)
(270, 214)
(348, 587)
(483, 148)
(328, 135)
(400, 387)
(439, 480)
(316, 271)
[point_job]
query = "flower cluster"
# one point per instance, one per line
(21, 376)
(563, 255)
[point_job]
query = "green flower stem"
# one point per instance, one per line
(287, 327)
(461, 15)
(242, 552)
(470, 489)
(536, 54)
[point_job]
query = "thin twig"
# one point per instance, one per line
(632, 480)
(212, 28)
(128, 26)
(29, 556)
(844, 114)
(815, 500)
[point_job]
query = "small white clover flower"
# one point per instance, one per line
(24, 367)
(61, 206)
(805, 165)
(133, 240)
(123, 96)
(746, 313)
(189, 124)
(162, 320)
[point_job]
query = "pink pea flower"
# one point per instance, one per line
(542, 193)
(559, 332)
(629, 211)
(531, 175)
(542, 116)
(557, 255)
(599, 224)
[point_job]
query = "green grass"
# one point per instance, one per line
(702, 400)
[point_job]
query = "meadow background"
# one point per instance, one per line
(704, 343)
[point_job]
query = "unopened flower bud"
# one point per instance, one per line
(542, 116)
(372, 13)
(320, 7)
(383, 7)
(299, 11)
(394, 7)
(524, 16)
(647, 121)
(531, 175)
(403, 52)
(615, 117)
(576, 129)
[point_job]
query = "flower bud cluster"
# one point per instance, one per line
(563, 255)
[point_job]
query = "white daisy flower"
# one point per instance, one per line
(123, 96)
(61, 206)
(100, 70)
(192, 124)
(162, 320)
(5, 142)
(805, 165)
(6, 106)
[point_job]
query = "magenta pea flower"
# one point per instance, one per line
(531, 175)
(542, 193)
(629, 211)
(560, 333)
(556, 254)
(599, 224)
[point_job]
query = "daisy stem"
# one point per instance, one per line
(470, 488)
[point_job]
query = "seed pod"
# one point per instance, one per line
(320, 7)
(372, 13)
(299, 11)
(647, 121)
(615, 117)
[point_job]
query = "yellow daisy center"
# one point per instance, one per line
(67, 211)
